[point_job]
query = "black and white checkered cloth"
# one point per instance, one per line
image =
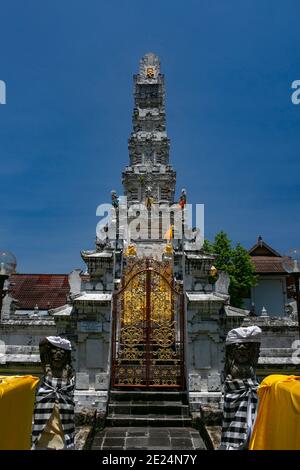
(240, 404)
(51, 391)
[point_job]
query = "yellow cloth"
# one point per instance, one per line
(53, 435)
(17, 394)
(277, 425)
(169, 235)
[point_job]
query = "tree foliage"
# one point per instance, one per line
(236, 262)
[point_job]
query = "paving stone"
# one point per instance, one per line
(98, 442)
(137, 432)
(113, 441)
(178, 432)
(116, 432)
(198, 443)
(137, 443)
(150, 438)
(112, 448)
(181, 443)
(160, 448)
(96, 447)
(158, 431)
(156, 441)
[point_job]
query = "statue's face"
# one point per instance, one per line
(243, 352)
(241, 359)
(57, 356)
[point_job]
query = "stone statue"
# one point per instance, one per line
(53, 426)
(56, 357)
(182, 198)
(114, 199)
(240, 387)
(241, 360)
(149, 200)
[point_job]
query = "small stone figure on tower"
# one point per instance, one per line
(182, 198)
(114, 199)
(149, 200)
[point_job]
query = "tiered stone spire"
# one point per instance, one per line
(149, 173)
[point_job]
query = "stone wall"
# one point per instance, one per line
(20, 351)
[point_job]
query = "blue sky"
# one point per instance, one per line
(234, 131)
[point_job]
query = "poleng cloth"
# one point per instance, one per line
(240, 403)
(54, 391)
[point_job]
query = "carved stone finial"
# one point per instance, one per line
(149, 66)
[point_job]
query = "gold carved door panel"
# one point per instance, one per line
(148, 328)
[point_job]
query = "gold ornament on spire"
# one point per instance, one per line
(213, 271)
(169, 249)
(130, 250)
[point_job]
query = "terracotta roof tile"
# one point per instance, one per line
(44, 290)
(268, 264)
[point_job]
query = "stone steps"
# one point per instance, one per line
(147, 420)
(137, 396)
(148, 409)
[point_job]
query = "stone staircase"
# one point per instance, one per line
(148, 408)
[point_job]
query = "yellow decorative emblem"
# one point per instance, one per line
(131, 335)
(150, 72)
(213, 271)
(130, 250)
(169, 249)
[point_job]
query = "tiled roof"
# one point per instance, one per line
(268, 264)
(44, 290)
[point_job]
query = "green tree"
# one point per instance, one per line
(236, 262)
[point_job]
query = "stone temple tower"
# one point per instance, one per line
(147, 316)
(149, 171)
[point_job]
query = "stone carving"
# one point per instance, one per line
(55, 358)
(241, 360)
(74, 279)
(149, 66)
(182, 198)
(149, 200)
(222, 283)
(53, 426)
(114, 199)
(240, 387)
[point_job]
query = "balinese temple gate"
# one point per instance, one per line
(146, 316)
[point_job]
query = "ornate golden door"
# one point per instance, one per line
(148, 327)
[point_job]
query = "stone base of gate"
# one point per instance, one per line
(208, 406)
(90, 399)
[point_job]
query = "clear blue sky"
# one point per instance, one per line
(234, 131)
